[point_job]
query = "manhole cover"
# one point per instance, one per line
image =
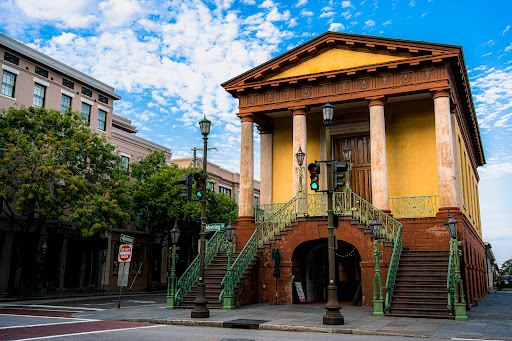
(244, 323)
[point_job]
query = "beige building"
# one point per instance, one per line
(221, 180)
(30, 78)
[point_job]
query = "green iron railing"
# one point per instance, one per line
(264, 211)
(454, 284)
(349, 203)
(414, 207)
(266, 230)
(217, 243)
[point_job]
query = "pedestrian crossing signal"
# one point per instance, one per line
(314, 171)
(186, 188)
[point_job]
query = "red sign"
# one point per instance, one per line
(125, 253)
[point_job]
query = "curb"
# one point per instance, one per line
(277, 327)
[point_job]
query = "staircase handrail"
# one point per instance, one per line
(450, 280)
(262, 233)
(391, 230)
(217, 243)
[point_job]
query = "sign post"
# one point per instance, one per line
(124, 256)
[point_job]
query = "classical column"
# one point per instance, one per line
(246, 204)
(446, 172)
(379, 164)
(300, 139)
(265, 164)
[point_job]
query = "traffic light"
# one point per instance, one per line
(314, 172)
(200, 179)
(338, 174)
(186, 181)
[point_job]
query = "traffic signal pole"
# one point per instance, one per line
(332, 315)
(200, 309)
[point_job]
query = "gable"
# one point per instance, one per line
(336, 59)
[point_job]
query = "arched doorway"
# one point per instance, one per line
(310, 268)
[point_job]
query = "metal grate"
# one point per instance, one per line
(103, 99)
(87, 92)
(42, 72)
(67, 83)
(10, 58)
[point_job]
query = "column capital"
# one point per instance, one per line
(377, 100)
(442, 92)
(246, 117)
(300, 110)
(265, 129)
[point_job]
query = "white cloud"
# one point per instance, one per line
(508, 48)
(301, 3)
(327, 14)
(386, 23)
(368, 24)
(267, 4)
(347, 15)
(412, 3)
(306, 13)
(496, 170)
(120, 12)
(249, 2)
(346, 4)
(505, 30)
(336, 27)
(75, 14)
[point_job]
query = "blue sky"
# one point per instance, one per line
(167, 60)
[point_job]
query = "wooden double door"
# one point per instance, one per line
(360, 179)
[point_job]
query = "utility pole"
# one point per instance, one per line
(194, 159)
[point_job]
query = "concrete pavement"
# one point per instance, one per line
(492, 319)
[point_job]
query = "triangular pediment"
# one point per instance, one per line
(336, 59)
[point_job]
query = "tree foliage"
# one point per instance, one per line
(506, 268)
(54, 167)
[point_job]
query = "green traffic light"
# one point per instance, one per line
(199, 194)
(314, 186)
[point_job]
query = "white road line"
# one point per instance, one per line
(58, 307)
(49, 317)
(49, 324)
(85, 333)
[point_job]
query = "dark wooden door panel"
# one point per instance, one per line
(360, 178)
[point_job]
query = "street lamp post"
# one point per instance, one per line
(452, 226)
(171, 284)
(332, 315)
(229, 290)
(200, 310)
(300, 170)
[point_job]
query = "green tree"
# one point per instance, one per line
(53, 167)
(158, 203)
(506, 268)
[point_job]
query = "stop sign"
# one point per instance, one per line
(125, 253)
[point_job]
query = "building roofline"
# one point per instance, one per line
(140, 139)
(54, 64)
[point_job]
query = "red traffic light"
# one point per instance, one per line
(199, 178)
(314, 168)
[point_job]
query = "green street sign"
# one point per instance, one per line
(214, 227)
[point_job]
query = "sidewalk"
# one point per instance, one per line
(492, 319)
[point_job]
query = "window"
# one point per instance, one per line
(8, 80)
(67, 83)
(39, 92)
(225, 190)
(42, 72)
(125, 162)
(103, 99)
(10, 58)
(256, 200)
(65, 103)
(86, 92)
(86, 112)
(102, 120)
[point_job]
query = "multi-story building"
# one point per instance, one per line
(30, 78)
(221, 180)
(405, 111)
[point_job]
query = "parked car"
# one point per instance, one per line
(506, 281)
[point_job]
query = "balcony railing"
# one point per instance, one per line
(414, 207)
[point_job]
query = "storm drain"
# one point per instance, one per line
(243, 324)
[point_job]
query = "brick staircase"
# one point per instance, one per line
(420, 287)
(213, 275)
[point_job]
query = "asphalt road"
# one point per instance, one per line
(27, 327)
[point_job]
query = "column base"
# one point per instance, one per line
(170, 302)
(245, 227)
(334, 320)
(245, 219)
(378, 307)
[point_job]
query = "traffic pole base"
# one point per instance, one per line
(334, 320)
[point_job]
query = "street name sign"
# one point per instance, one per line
(125, 253)
(214, 227)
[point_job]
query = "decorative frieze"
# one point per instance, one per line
(364, 85)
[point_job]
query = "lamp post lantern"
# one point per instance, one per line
(171, 283)
(456, 288)
(300, 155)
(229, 290)
(200, 310)
(332, 315)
